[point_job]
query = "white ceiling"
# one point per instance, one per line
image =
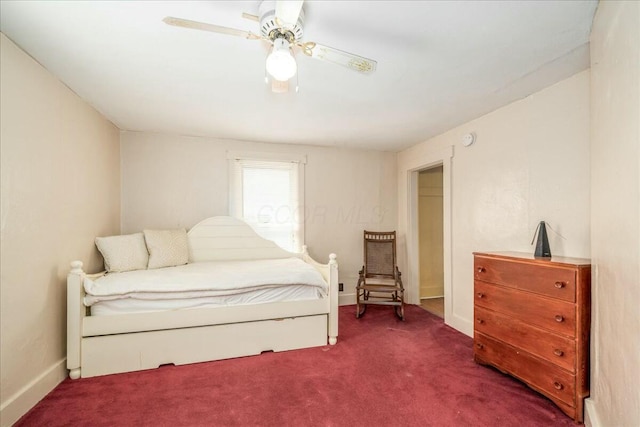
(440, 64)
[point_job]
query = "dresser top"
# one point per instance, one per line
(529, 257)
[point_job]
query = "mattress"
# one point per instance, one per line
(133, 305)
(204, 284)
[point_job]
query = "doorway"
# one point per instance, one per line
(431, 240)
(410, 163)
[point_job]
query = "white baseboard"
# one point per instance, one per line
(460, 324)
(26, 398)
(431, 292)
(346, 299)
(591, 417)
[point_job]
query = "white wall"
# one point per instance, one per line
(530, 162)
(60, 188)
(176, 181)
(615, 215)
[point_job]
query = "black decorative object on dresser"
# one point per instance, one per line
(532, 320)
(543, 250)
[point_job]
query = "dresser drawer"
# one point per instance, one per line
(542, 376)
(559, 350)
(552, 281)
(555, 315)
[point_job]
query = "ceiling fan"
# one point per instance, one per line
(281, 25)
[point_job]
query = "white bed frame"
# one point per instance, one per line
(100, 345)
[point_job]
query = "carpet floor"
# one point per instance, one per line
(382, 372)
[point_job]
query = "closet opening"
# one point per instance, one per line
(431, 240)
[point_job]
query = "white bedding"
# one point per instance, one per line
(203, 280)
(132, 305)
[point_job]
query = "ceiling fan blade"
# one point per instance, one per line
(194, 25)
(354, 62)
(288, 11)
(250, 17)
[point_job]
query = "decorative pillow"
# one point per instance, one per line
(123, 253)
(167, 248)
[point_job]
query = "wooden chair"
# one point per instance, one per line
(379, 282)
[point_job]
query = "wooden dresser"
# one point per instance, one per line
(532, 319)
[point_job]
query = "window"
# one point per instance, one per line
(266, 192)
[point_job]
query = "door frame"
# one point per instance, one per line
(409, 170)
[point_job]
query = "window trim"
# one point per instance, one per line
(235, 162)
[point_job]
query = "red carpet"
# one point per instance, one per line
(382, 372)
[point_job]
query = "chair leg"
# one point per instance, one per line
(359, 312)
(399, 309)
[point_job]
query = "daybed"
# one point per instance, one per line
(107, 344)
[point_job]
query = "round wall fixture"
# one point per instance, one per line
(468, 139)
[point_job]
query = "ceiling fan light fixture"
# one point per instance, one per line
(281, 65)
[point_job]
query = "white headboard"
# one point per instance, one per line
(226, 238)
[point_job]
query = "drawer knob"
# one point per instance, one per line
(560, 285)
(481, 270)
(480, 295)
(559, 318)
(480, 345)
(558, 385)
(558, 352)
(480, 320)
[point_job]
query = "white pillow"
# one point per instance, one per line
(123, 253)
(167, 248)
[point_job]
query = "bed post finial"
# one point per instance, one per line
(76, 267)
(332, 258)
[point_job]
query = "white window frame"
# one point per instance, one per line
(238, 159)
